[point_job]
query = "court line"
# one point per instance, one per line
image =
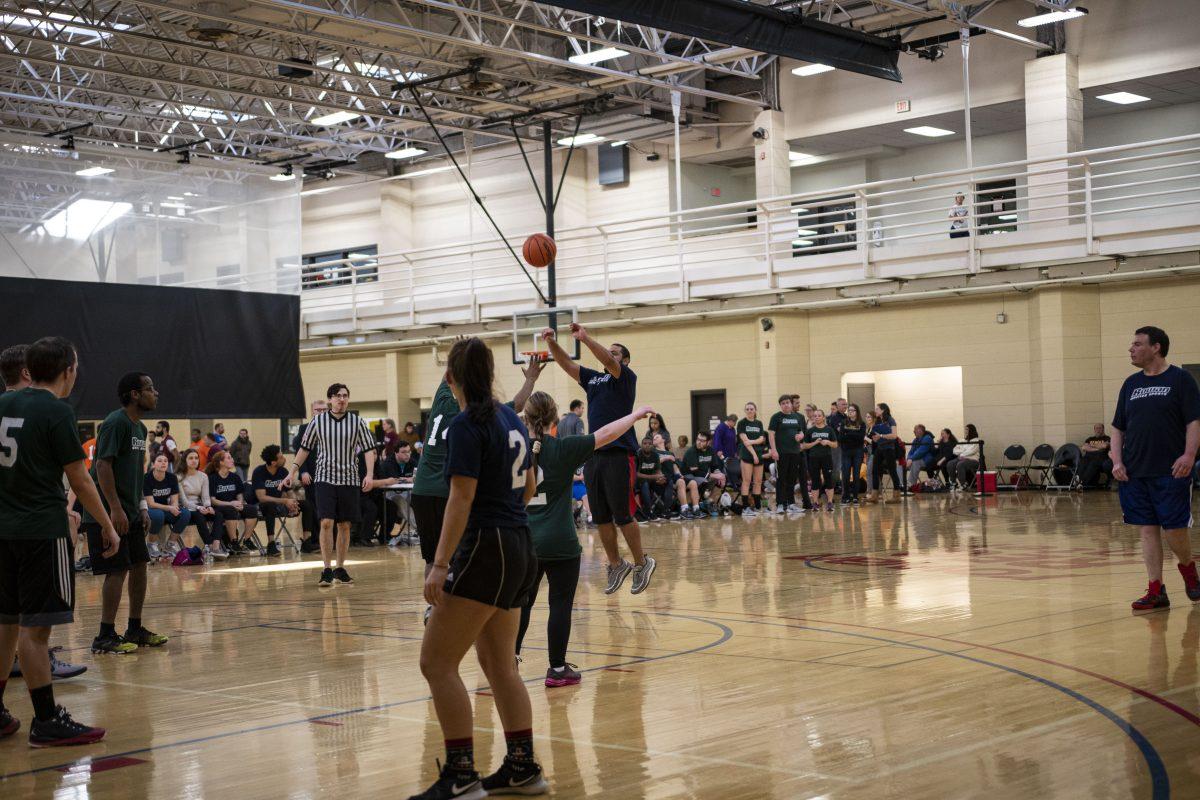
(726, 635)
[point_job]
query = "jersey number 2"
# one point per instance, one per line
(8, 445)
(515, 439)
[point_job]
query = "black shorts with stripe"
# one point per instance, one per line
(131, 552)
(37, 582)
(493, 566)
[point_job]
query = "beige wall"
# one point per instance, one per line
(1046, 375)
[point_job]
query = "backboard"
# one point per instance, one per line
(528, 327)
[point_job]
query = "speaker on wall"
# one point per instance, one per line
(614, 165)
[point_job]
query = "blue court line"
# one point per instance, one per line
(726, 635)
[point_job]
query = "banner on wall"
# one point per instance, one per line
(212, 353)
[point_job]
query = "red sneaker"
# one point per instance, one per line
(1191, 580)
(8, 723)
(1155, 597)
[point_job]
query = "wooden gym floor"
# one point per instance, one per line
(939, 648)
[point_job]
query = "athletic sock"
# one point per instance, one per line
(108, 629)
(43, 702)
(520, 745)
(135, 623)
(460, 754)
(758, 501)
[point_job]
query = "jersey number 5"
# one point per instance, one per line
(8, 445)
(515, 439)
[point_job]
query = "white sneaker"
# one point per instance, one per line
(222, 553)
(795, 509)
(154, 550)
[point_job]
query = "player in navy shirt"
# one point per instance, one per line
(482, 573)
(609, 473)
(1156, 432)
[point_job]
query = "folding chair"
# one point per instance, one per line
(1067, 459)
(1044, 454)
(1017, 465)
(285, 533)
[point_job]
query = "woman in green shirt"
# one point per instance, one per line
(752, 439)
(822, 441)
(552, 524)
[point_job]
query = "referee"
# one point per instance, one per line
(337, 435)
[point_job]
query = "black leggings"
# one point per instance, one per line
(564, 577)
(885, 464)
(821, 472)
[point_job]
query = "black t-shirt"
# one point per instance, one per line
(496, 454)
(225, 489)
(647, 463)
(1153, 411)
(820, 452)
(608, 400)
(1102, 441)
(852, 434)
(263, 478)
(160, 491)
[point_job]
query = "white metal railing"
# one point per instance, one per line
(1079, 206)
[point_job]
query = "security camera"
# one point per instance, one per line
(759, 133)
(653, 157)
(767, 323)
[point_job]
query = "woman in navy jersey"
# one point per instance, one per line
(482, 573)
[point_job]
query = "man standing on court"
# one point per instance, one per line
(119, 467)
(1156, 432)
(609, 473)
(337, 435)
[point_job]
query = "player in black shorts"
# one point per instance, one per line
(483, 571)
(118, 468)
(609, 474)
(38, 443)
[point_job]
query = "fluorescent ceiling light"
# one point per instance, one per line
(283, 176)
(1008, 217)
(423, 172)
(84, 217)
(335, 118)
(91, 172)
(618, 143)
(595, 56)
(172, 205)
(1053, 16)
(812, 69)
(802, 242)
(799, 210)
(370, 70)
(190, 194)
(797, 156)
(174, 197)
(37, 18)
(805, 232)
(581, 139)
(1122, 98)
(800, 159)
(406, 152)
(929, 130)
(206, 114)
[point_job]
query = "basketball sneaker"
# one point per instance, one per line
(326, 577)
(1191, 580)
(61, 669)
(514, 777)
(453, 784)
(142, 637)
(341, 576)
(795, 509)
(62, 731)
(686, 513)
(112, 643)
(562, 676)
(642, 574)
(273, 549)
(617, 576)
(1155, 597)
(8, 723)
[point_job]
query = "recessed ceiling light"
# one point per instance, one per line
(581, 139)
(335, 118)
(618, 143)
(406, 152)
(812, 69)
(596, 56)
(91, 172)
(928, 130)
(1053, 16)
(1122, 98)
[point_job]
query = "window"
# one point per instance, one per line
(997, 206)
(340, 267)
(825, 226)
(288, 428)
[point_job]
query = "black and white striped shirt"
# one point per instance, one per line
(337, 442)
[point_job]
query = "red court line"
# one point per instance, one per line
(326, 722)
(102, 765)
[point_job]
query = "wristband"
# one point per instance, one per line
(143, 506)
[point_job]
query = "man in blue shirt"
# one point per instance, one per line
(920, 451)
(1156, 432)
(609, 473)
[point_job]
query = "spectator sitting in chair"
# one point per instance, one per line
(963, 466)
(724, 439)
(404, 465)
(1096, 462)
(651, 483)
(374, 505)
(703, 466)
(670, 468)
(161, 491)
(227, 492)
(920, 454)
(273, 500)
(193, 485)
(943, 454)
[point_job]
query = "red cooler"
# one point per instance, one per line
(987, 482)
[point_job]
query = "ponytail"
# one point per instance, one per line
(541, 413)
(472, 367)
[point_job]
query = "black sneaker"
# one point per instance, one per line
(326, 577)
(62, 731)
(144, 638)
(453, 784)
(341, 576)
(516, 778)
(112, 643)
(84, 564)
(8, 723)
(273, 549)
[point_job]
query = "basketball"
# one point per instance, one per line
(539, 250)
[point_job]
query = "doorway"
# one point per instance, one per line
(861, 394)
(708, 409)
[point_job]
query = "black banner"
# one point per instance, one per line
(211, 353)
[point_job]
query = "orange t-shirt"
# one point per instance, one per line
(89, 451)
(201, 448)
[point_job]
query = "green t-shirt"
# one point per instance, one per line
(647, 463)
(700, 463)
(753, 428)
(821, 452)
(550, 519)
(430, 480)
(666, 463)
(37, 439)
(122, 441)
(786, 426)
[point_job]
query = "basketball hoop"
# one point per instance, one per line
(541, 355)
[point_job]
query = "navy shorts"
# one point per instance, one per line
(1165, 502)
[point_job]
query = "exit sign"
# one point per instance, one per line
(903, 106)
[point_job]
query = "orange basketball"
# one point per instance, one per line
(539, 250)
